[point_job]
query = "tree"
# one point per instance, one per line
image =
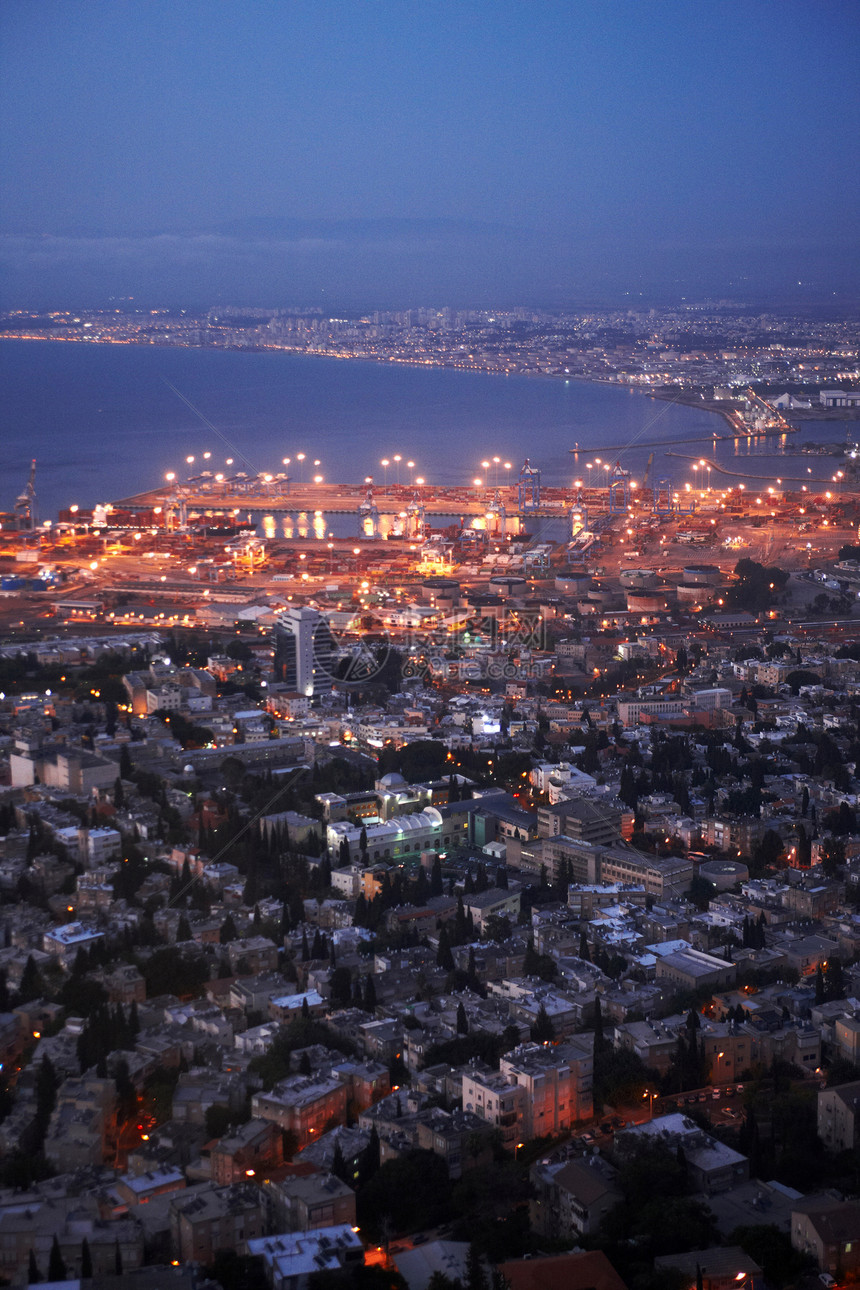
(86, 1260)
(403, 1194)
(369, 1160)
(228, 932)
(56, 1264)
(543, 1031)
(31, 986)
(126, 767)
(599, 1037)
(462, 1020)
(476, 1277)
(772, 1250)
(339, 1167)
(340, 986)
(834, 979)
(444, 957)
(117, 1260)
(34, 1276)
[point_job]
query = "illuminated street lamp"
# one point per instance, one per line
(385, 463)
(300, 456)
(398, 459)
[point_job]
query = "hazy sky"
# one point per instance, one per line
(392, 151)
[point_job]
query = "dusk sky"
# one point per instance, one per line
(385, 152)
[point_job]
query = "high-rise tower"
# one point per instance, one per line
(305, 651)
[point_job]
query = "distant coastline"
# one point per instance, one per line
(690, 398)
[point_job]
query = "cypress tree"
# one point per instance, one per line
(599, 1038)
(33, 1273)
(31, 981)
(543, 1030)
(86, 1260)
(444, 957)
(56, 1265)
(339, 1166)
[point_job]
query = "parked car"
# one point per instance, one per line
(826, 1279)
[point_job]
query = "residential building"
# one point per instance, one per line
(572, 1197)
(291, 1259)
(829, 1230)
(839, 1117)
(210, 1219)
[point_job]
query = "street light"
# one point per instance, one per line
(385, 463)
(300, 456)
(398, 459)
(650, 1097)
